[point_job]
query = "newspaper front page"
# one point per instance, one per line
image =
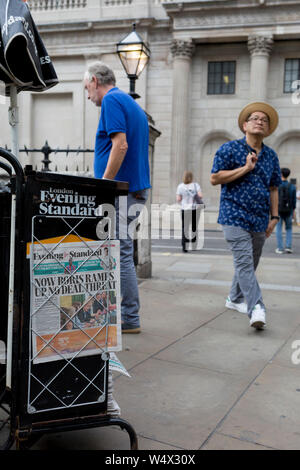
(75, 298)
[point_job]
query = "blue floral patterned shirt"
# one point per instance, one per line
(245, 202)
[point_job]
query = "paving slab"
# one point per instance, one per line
(289, 354)
(190, 267)
(177, 404)
(175, 315)
(159, 285)
(144, 344)
(162, 261)
(269, 412)
(279, 325)
(130, 357)
(285, 273)
(240, 352)
(221, 442)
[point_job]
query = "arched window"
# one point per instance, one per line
(289, 155)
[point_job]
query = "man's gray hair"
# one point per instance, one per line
(102, 72)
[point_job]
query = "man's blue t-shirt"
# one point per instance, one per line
(245, 202)
(120, 113)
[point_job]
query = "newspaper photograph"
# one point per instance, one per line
(75, 298)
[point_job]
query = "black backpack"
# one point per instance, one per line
(284, 204)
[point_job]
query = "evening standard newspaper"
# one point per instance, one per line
(75, 298)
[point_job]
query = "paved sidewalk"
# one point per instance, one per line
(201, 378)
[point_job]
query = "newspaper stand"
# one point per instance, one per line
(45, 388)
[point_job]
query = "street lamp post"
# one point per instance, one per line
(134, 56)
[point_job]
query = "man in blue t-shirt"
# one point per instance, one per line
(249, 173)
(121, 153)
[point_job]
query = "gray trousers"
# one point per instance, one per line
(246, 248)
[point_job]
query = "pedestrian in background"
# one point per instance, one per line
(298, 207)
(249, 173)
(286, 208)
(187, 193)
(121, 153)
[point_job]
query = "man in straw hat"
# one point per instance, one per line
(249, 173)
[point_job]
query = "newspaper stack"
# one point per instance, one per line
(2, 353)
(114, 365)
(113, 408)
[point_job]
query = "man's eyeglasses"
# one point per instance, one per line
(256, 119)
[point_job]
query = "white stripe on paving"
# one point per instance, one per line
(213, 282)
(170, 247)
(221, 238)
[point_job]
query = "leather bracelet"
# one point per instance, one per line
(275, 217)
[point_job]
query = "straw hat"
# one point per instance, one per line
(262, 107)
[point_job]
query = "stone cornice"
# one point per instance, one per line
(82, 38)
(177, 7)
(233, 16)
(103, 25)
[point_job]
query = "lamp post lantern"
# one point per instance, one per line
(134, 56)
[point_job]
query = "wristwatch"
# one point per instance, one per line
(275, 217)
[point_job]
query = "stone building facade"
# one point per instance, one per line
(208, 59)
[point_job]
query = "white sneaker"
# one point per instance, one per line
(258, 317)
(241, 307)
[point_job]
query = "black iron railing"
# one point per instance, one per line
(46, 150)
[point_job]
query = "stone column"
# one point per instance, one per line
(142, 245)
(182, 52)
(260, 48)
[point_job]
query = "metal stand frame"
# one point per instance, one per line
(71, 223)
(28, 418)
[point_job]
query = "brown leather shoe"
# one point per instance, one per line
(126, 328)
